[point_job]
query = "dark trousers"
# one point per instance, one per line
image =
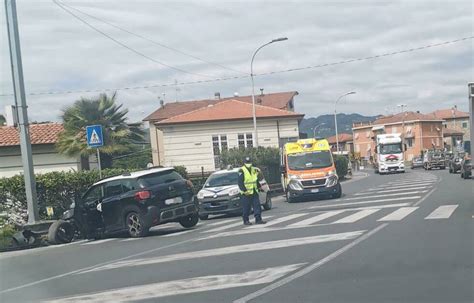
(249, 201)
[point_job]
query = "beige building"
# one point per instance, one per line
(420, 131)
(455, 120)
(346, 143)
(45, 157)
(194, 133)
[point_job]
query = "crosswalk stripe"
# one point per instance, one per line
(380, 190)
(442, 212)
(387, 195)
(129, 239)
(151, 292)
(243, 248)
(222, 222)
(221, 228)
(317, 218)
(277, 221)
(399, 214)
(179, 233)
(357, 216)
(410, 183)
(95, 242)
(365, 202)
(405, 186)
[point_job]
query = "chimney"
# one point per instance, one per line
(236, 94)
(261, 92)
(11, 115)
(259, 101)
(162, 103)
(417, 111)
(217, 95)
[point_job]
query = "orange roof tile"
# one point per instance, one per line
(450, 114)
(409, 116)
(342, 138)
(276, 100)
(229, 110)
(45, 133)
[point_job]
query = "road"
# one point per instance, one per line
(393, 238)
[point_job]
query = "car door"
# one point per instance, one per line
(111, 206)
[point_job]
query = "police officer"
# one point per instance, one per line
(249, 188)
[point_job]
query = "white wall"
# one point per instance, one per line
(191, 145)
(45, 159)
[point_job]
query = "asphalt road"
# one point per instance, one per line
(394, 238)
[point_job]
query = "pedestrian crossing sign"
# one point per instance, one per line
(94, 136)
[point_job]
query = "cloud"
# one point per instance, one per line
(61, 53)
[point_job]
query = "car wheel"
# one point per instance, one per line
(136, 225)
(450, 170)
(189, 221)
(338, 193)
(61, 232)
(268, 203)
(289, 199)
(203, 217)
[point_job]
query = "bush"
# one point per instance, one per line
(6, 233)
(182, 171)
(341, 165)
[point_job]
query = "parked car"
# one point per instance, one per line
(132, 203)
(455, 163)
(221, 194)
(434, 159)
(466, 168)
(416, 162)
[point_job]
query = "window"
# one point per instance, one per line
(464, 125)
(113, 188)
(129, 185)
(94, 194)
(219, 144)
(245, 140)
(409, 142)
(160, 178)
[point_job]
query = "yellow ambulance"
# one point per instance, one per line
(308, 170)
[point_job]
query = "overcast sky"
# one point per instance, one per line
(61, 54)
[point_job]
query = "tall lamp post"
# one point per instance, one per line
(255, 134)
(335, 117)
(316, 127)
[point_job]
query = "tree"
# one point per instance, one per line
(118, 135)
(2, 120)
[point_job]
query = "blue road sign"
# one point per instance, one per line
(94, 136)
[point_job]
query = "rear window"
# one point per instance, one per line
(160, 178)
(223, 179)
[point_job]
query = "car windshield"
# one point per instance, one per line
(316, 159)
(394, 148)
(222, 179)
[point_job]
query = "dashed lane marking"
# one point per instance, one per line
(442, 212)
(398, 214)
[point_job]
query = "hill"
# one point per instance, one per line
(344, 124)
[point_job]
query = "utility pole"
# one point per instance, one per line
(471, 114)
(21, 107)
(403, 106)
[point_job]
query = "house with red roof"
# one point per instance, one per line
(194, 133)
(456, 122)
(345, 143)
(43, 138)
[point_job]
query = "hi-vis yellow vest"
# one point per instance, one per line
(250, 180)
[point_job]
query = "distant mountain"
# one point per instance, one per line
(344, 124)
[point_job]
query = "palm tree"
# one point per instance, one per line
(118, 135)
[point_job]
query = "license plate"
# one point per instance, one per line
(176, 200)
(316, 190)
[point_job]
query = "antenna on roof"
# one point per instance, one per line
(236, 94)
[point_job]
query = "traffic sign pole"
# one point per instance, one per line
(98, 163)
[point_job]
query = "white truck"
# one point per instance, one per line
(389, 154)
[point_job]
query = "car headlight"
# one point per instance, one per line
(295, 185)
(234, 192)
(331, 173)
(332, 181)
(294, 177)
(200, 195)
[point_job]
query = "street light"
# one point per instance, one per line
(335, 117)
(253, 86)
(314, 129)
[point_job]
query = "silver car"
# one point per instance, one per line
(221, 194)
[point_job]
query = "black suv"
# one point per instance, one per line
(132, 202)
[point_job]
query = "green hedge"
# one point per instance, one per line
(56, 189)
(341, 165)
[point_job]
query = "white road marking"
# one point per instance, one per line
(380, 191)
(95, 242)
(229, 226)
(317, 218)
(245, 248)
(378, 206)
(277, 221)
(365, 202)
(187, 231)
(387, 195)
(442, 212)
(223, 222)
(405, 186)
(184, 286)
(357, 216)
(399, 214)
(130, 239)
(310, 268)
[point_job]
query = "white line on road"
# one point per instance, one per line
(386, 195)
(317, 218)
(399, 214)
(404, 186)
(365, 202)
(380, 191)
(442, 212)
(223, 222)
(95, 242)
(357, 216)
(310, 268)
(229, 226)
(185, 286)
(245, 248)
(277, 221)
(130, 239)
(187, 231)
